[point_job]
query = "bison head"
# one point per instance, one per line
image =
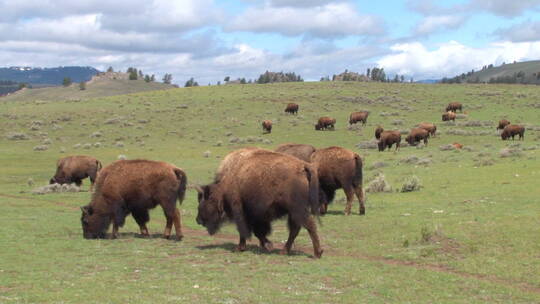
(378, 132)
(210, 212)
(504, 135)
(94, 225)
(317, 127)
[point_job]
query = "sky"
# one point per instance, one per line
(211, 39)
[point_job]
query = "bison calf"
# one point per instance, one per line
(253, 187)
(300, 151)
(134, 186)
(267, 126)
(73, 169)
(513, 130)
(339, 168)
(358, 116)
(325, 123)
(291, 108)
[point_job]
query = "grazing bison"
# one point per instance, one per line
(300, 151)
(325, 123)
(416, 135)
(134, 186)
(449, 116)
(431, 128)
(387, 139)
(454, 106)
(267, 126)
(253, 187)
(339, 168)
(73, 169)
(513, 130)
(502, 123)
(291, 108)
(358, 116)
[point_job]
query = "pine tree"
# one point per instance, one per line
(67, 82)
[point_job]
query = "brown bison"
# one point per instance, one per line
(73, 169)
(458, 146)
(252, 188)
(502, 123)
(134, 186)
(387, 139)
(325, 123)
(358, 116)
(416, 135)
(291, 108)
(454, 106)
(513, 130)
(339, 168)
(267, 126)
(431, 128)
(300, 151)
(449, 116)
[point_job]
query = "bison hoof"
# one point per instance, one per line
(241, 248)
(268, 246)
(284, 251)
(318, 255)
(347, 212)
(179, 237)
(362, 211)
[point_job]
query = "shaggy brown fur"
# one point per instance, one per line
(454, 106)
(134, 186)
(513, 130)
(378, 132)
(292, 108)
(339, 168)
(388, 138)
(416, 135)
(358, 116)
(449, 116)
(267, 126)
(457, 145)
(300, 151)
(431, 128)
(73, 169)
(255, 186)
(325, 123)
(502, 123)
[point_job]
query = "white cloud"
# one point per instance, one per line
(453, 58)
(506, 8)
(431, 24)
(329, 20)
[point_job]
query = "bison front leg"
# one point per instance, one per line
(242, 227)
(261, 230)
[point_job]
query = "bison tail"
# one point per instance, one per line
(181, 176)
(313, 180)
(357, 181)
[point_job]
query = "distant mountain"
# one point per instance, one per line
(7, 87)
(527, 72)
(428, 81)
(46, 76)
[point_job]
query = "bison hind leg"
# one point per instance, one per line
(261, 230)
(294, 229)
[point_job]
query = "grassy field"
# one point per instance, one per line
(471, 234)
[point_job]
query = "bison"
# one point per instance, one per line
(267, 126)
(416, 135)
(387, 139)
(252, 188)
(502, 123)
(513, 130)
(134, 186)
(325, 123)
(454, 106)
(358, 116)
(457, 146)
(431, 128)
(73, 169)
(339, 168)
(300, 151)
(291, 108)
(449, 116)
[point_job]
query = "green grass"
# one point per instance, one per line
(471, 234)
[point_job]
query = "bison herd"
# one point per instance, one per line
(251, 187)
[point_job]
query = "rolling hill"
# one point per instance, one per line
(527, 72)
(104, 84)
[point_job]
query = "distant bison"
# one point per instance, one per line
(325, 123)
(300, 151)
(292, 108)
(449, 116)
(358, 116)
(454, 106)
(267, 126)
(253, 187)
(73, 169)
(416, 135)
(513, 130)
(457, 145)
(134, 186)
(431, 128)
(387, 139)
(502, 123)
(339, 168)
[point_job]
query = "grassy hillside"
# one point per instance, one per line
(95, 89)
(530, 73)
(471, 234)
